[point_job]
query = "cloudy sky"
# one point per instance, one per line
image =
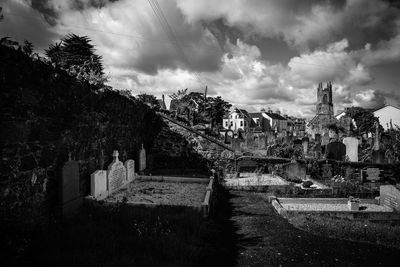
(254, 54)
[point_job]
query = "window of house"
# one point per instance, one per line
(226, 124)
(231, 123)
(245, 123)
(241, 123)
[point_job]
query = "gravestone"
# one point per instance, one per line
(349, 173)
(378, 156)
(116, 174)
(336, 150)
(371, 175)
(326, 171)
(236, 145)
(98, 183)
(390, 196)
(246, 164)
(228, 137)
(262, 142)
(294, 170)
(71, 199)
(130, 170)
(305, 142)
(317, 138)
(142, 159)
(351, 148)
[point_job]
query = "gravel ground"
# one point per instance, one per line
(266, 239)
(165, 193)
(333, 207)
(251, 180)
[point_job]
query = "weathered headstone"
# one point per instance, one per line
(305, 142)
(294, 170)
(98, 183)
(116, 174)
(246, 164)
(351, 148)
(228, 136)
(326, 171)
(236, 145)
(390, 196)
(378, 156)
(71, 199)
(371, 175)
(262, 141)
(336, 150)
(317, 138)
(142, 159)
(130, 170)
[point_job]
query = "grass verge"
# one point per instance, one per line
(361, 231)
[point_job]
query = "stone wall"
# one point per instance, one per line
(177, 148)
(45, 115)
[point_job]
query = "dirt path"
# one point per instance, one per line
(266, 239)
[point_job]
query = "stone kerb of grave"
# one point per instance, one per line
(71, 199)
(116, 174)
(390, 197)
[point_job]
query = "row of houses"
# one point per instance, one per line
(263, 121)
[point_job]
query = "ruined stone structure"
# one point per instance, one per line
(324, 110)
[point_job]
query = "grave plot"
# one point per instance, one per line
(161, 193)
(254, 181)
(343, 208)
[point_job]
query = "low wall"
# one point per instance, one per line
(346, 214)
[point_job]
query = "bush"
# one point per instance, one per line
(307, 184)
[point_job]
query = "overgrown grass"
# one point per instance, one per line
(364, 231)
(124, 236)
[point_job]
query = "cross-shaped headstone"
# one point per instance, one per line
(115, 155)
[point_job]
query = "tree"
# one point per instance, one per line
(27, 48)
(178, 96)
(365, 119)
(217, 108)
(150, 100)
(76, 55)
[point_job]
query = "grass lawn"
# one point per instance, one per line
(364, 231)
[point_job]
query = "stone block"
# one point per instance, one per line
(70, 194)
(98, 183)
(130, 170)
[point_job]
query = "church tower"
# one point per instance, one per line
(324, 115)
(324, 100)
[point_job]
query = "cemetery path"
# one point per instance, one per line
(267, 239)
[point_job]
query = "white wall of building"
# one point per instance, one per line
(234, 121)
(386, 114)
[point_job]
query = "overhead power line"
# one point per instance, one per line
(160, 41)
